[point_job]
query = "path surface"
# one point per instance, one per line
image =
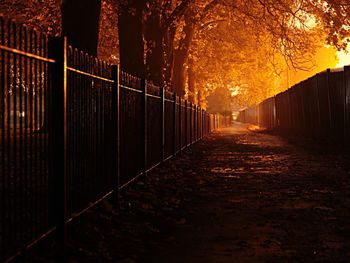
(237, 196)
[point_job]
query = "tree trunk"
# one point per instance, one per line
(155, 57)
(80, 23)
(191, 82)
(131, 37)
(168, 42)
(181, 56)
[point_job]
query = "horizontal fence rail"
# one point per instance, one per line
(74, 130)
(318, 107)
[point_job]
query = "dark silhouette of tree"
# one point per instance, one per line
(80, 23)
(146, 36)
(131, 44)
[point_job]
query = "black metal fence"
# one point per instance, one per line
(318, 107)
(74, 130)
(24, 145)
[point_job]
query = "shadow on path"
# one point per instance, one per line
(236, 196)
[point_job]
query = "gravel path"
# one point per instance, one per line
(236, 196)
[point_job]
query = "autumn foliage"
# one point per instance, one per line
(249, 49)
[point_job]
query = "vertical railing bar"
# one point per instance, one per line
(180, 124)
(67, 80)
(2, 133)
(47, 124)
(79, 186)
(346, 101)
(75, 83)
(41, 133)
(74, 106)
(94, 119)
(81, 173)
(30, 124)
(202, 123)
(201, 116)
(90, 182)
(84, 181)
(197, 123)
(58, 139)
(145, 124)
(329, 98)
(97, 123)
(35, 134)
(98, 128)
(191, 123)
(85, 136)
(103, 162)
(318, 104)
(73, 86)
(100, 164)
(103, 134)
(186, 124)
(174, 125)
(20, 152)
(14, 129)
(8, 130)
(209, 123)
(162, 123)
(116, 133)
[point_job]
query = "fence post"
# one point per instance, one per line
(191, 129)
(198, 122)
(57, 208)
(194, 119)
(328, 72)
(202, 123)
(162, 122)
(347, 105)
(116, 132)
(180, 124)
(195, 124)
(174, 124)
(144, 123)
(186, 124)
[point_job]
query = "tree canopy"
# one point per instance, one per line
(255, 47)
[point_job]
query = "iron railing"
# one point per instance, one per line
(24, 142)
(74, 130)
(318, 107)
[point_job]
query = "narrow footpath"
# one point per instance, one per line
(236, 196)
